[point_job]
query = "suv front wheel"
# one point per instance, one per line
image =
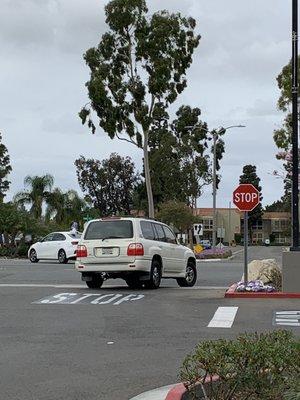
(190, 276)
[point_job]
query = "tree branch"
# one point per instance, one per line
(127, 140)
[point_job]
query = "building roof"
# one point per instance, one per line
(208, 212)
(276, 215)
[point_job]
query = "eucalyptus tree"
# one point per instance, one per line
(137, 71)
(5, 169)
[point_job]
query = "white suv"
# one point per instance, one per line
(138, 250)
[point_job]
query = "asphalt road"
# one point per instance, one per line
(113, 343)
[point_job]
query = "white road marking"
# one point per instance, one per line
(287, 318)
(223, 318)
(78, 298)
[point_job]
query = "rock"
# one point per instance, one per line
(261, 270)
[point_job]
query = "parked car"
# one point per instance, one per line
(140, 251)
(59, 246)
(206, 244)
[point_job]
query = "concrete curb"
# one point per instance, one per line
(231, 293)
(172, 392)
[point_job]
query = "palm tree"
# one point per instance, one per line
(38, 191)
(64, 207)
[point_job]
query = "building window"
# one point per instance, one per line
(208, 224)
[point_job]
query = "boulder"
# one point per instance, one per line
(261, 269)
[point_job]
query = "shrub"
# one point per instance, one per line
(254, 366)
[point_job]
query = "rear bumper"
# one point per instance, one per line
(137, 265)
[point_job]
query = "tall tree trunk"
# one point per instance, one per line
(148, 177)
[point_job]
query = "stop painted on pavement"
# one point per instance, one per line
(89, 298)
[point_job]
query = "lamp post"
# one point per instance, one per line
(295, 154)
(215, 134)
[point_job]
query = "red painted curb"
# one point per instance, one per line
(176, 392)
(179, 390)
(231, 293)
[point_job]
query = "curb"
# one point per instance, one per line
(231, 293)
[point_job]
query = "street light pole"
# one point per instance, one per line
(214, 239)
(295, 176)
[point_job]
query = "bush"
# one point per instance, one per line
(253, 367)
(6, 251)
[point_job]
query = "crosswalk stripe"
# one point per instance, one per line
(223, 318)
(287, 318)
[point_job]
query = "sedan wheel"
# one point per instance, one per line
(62, 258)
(33, 256)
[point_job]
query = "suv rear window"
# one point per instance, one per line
(109, 230)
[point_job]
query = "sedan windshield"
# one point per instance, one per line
(109, 230)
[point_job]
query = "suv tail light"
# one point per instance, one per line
(81, 251)
(135, 249)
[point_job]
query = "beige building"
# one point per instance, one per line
(228, 223)
(275, 226)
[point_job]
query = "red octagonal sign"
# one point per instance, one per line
(246, 197)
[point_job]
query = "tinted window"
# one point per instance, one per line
(170, 237)
(109, 230)
(48, 238)
(147, 230)
(160, 234)
(58, 237)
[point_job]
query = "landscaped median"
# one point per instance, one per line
(211, 254)
(251, 367)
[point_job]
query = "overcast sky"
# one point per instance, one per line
(233, 80)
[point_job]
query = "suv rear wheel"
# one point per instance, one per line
(155, 276)
(96, 282)
(190, 277)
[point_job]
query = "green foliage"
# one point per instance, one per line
(179, 162)
(109, 184)
(250, 176)
(64, 207)
(282, 136)
(38, 191)
(253, 366)
(176, 214)
(278, 206)
(137, 70)
(5, 169)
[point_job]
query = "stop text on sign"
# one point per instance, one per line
(246, 197)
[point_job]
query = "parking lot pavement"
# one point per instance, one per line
(60, 340)
(112, 343)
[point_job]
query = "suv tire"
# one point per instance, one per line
(190, 277)
(155, 276)
(96, 282)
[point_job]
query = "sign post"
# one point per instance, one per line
(246, 198)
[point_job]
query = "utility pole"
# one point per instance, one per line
(214, 191)
(295, 154)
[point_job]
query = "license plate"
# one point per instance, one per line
(108, 251)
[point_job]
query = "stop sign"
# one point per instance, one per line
(246, 197)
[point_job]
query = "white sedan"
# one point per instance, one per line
(59, 246)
